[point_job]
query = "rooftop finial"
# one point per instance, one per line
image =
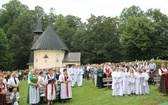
(38, 27)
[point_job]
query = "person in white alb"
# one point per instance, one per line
(138, 82)
(145, 86)
(132, 81)
(126, 83)
(79, 76)
(13, 82)
(72, 75)
(117, 83)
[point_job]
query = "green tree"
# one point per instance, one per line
(102, 40)
(22, 38)
(160, 38)
(133, 11)
(52, 16)
(136, 38)
(4, 54)
(66, 27)
(9, 12)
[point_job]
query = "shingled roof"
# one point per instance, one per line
(72, 57)
(49, 40)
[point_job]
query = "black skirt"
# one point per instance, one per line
(2, 99)
(99, 81)
(163, 88)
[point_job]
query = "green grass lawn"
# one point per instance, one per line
(90, 95)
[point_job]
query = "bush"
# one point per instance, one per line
(159, 62)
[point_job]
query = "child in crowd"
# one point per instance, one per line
(132, 81)
(126, 83)
(15, 97)
(145, 87)
(139, 82)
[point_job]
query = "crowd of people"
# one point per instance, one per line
(9, 82)
(128, 78)
(51, 79)
(131, 78)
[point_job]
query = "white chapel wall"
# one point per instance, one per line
(54, 59)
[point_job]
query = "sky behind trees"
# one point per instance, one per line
(84, 8)
(134, 34)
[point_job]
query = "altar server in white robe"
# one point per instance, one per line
(50, 80)
(138, 82)
(145, 82)
(65, 92)
(117, 85)
(132, 81)
(73, 76)
(95, 75)
(126, 83)
(79, 76)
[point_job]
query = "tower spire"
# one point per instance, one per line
(38, 29)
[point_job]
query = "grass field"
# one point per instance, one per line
(90, 95)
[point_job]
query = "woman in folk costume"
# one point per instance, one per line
(163, 72)
(107, 71)
(132, 81)
(65, 80)
(138, 82)
(126, 83)
(50, 93)
(33, 89)
(117, 83)
(5, 80)
(2, 92)
(100, 77)
(79, 76)
(145, 86)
